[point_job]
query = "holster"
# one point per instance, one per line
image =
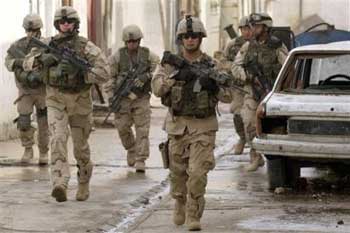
(164, 150)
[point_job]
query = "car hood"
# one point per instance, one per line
(279, 104)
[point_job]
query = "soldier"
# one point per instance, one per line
(191, 123)
(268, 53)
(230, 53)
(135, 108)
(69, 101)
(31, 92)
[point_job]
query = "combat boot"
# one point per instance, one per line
(140, 166)
(43, 159)
(27, 155)
(256, 162)
(239, 147)
(179, 215)
(193, 224)
(130, 158)
(83, 192)
(60, 193)
(261, 161)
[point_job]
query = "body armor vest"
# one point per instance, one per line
(183, 101)
(266, 57)
(239, 41)
(125, 64)
(24, 47)
(71, 83)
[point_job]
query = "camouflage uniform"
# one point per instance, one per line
(69, 104)
(31, 92)
(270, 54)
(191, 128)
(230, 52)
(134, 111)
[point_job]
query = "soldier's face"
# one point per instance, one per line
(133, 45)
(258, 30)
(66, 26)
(246, 32)
(191, 42)
(34, 33)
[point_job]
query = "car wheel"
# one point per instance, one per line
(282, 171)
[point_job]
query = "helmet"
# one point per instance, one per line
(32, 21)
(190, 24)
(132, 32)
(66, 12)
(243, 22)
(260, 18)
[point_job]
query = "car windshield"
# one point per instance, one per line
(318, 74)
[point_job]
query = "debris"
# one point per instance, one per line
(281, 190)
(340, 222)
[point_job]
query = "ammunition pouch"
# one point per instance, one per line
(185, 102)
(164, 151)
(71, 83)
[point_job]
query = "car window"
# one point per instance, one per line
(318, 73)
(323, 68)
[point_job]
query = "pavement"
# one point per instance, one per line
(123, 201)
(118, 194)
(237, 201)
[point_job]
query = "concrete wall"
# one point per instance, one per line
(289, 12)
(11, 17)
(210, 15)
(146, 15)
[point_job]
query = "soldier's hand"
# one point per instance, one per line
(67, 68)
(209, 84)
(48, 59)
(141, 80)
(34, 79)
(18, 63)
(184, 75)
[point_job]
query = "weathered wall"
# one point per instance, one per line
(11, 16)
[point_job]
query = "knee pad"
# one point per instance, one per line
(41, 112)
(23, 122)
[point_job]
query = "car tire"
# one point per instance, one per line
(282, 171)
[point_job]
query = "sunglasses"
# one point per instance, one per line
(193, 35)
(132, 41)
(69, 21)
(33, 30)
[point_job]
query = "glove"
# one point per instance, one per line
(47, 59)
(34, 79)
(141, 80)
(18, 63)
(209, 84)
(67, 68)
(184, 75)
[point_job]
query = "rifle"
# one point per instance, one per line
(21, 75)
(200, 71)
(71, 56)
(230, 31)
(125, 87)
(261, 85)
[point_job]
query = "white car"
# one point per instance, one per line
(305, 119)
